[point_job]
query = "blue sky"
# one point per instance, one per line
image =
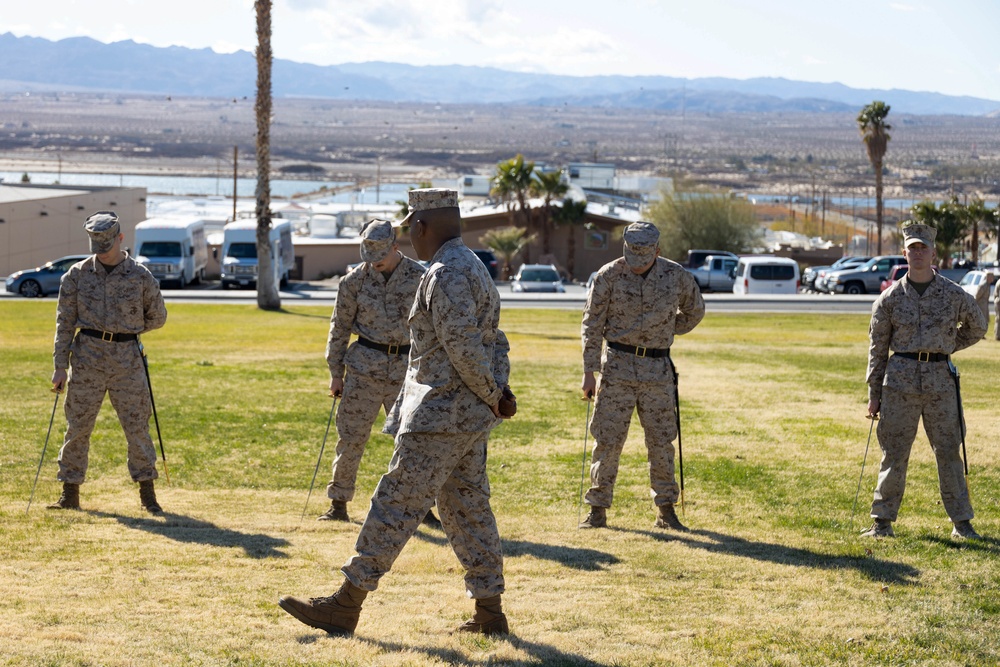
(946, 46)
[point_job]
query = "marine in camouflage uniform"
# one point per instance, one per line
(449, 403)
(373, 302)
(996, 311)
(922, 319)
(105, 302)
(638, 303)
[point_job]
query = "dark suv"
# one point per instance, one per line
(489, 259)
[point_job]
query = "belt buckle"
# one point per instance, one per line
(923, 356)
(107, 336)
(640, 351)
(393, 349)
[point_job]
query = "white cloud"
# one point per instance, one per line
(901, 7)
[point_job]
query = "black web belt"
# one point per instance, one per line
(108, 336)
(388, 349)
(922, 356)
(640, 351)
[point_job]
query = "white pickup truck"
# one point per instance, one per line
(715, 274)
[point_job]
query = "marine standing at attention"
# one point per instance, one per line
(637, 304)
(373, 302)
(105, 302)
(922, 320)
(453, 395)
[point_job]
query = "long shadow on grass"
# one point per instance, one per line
(985, 545)
(875, 569)
(182, 528)
(540, 653)
(578, 559)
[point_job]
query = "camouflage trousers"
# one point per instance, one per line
(896, 430)
(116, 370)
(357, 411)
(654, 402)
(452, 468)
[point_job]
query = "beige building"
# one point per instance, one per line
(40, 223)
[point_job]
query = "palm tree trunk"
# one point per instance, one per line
(267, 289)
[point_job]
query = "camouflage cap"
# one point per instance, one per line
(427, 199)
(641, 242)
(377, 237)
(917, 232)
(103, 229)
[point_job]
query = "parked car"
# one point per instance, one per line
(895, 274)
(811, 273)
(42, 280)
(489, 259)
(696, 258)
(766, 275)
(717, 273)
(974, 281)
(864, 279)
(590, 280)
(537, 278)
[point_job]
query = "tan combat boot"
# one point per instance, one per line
(337, 512)
(69, 500)
(880, 528)
(488, 619)
(337, 614)
(597, 518)
(667, 518)
(147, 496)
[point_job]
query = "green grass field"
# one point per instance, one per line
(771, 574)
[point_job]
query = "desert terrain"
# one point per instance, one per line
(780, 153)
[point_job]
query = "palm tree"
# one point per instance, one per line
(548, 185)
(506, 242)
(571, 214)
(977, 215)
(511, 183)
(875, 133)
(267, 291)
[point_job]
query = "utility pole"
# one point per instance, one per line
(236, 151)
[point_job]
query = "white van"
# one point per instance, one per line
(173, 249)
(239, 252)
(766, 275)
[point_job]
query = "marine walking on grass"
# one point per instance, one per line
(373, 302)
(637, 304)
(105, 302)
(454, 393)
(921, 320)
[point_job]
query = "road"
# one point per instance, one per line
(324, 293)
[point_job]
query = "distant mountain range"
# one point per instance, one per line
(81, 64)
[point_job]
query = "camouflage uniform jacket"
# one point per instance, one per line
(626, 308)
(127, 300)
(457, 351)
(945, 319)
(374, 308)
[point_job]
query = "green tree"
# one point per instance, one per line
(570, 214)
(689, 221)
(875, 134)
(511, 184)
(25, 178)
(267, 291)
(951, 222)
(506, 242)
(548, 185)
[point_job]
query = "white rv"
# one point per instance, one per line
(239, 252)
(174, 250)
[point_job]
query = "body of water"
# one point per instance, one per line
(387, 193)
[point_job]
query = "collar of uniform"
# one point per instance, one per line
(445, 247)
